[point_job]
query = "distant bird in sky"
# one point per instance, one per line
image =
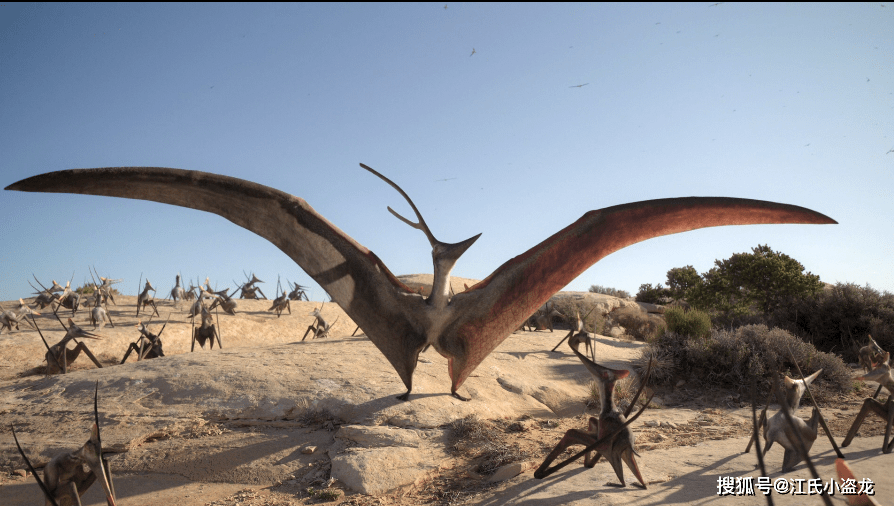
(448, 179)
(579, 85)
(806, 144)
(473, 52)
(890, 151)
(445, 7)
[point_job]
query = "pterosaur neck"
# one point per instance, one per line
(608, 398)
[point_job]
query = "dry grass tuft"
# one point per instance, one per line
(314, 417)
(662, 369)
(485, 441)
(639, 324)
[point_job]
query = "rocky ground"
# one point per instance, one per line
(273, 420)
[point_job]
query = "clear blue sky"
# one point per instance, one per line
(789, 103)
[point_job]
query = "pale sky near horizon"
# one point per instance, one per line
(789, 103)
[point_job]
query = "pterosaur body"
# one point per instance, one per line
(617, 449)
(464, 328)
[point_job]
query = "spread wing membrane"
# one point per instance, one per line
(351, 274)
(497, 306)
(476, 321)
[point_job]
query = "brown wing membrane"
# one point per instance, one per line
(351, 274)
(497, 305)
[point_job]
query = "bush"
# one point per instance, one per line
(733, 358)
(614, 292)
(639, 324)
(680, 280)
(570, 306)
(840, 317)
(756, 282)
(88, 289)
(691, 323)
(653, 294)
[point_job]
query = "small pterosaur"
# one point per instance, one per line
(466, 327)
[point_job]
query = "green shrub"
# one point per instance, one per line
(733, 358)
(692, 323)
(653, 294)
(680, 280)
(614, 292)
(753, 283)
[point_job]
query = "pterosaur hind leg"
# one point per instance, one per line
(460, 397)
(790, 459)
(410, 367)
(888, 445)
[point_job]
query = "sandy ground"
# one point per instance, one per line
(227, 427)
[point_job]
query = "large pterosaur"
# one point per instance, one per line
(464, 328)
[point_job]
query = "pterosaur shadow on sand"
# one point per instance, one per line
(616, 343)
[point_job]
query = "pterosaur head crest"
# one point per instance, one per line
(444, 255)
(444, 250)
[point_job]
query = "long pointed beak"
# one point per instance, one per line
(809, 379)
(91, 335)
(95, 446)
(627, 456)
(615, 460)
(110, 499)
(455, 250)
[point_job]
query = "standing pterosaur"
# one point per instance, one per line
(464, 328)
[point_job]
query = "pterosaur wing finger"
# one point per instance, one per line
(500, 303)
(353, 275)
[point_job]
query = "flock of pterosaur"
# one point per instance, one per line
(464, 327)
(148, 345)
